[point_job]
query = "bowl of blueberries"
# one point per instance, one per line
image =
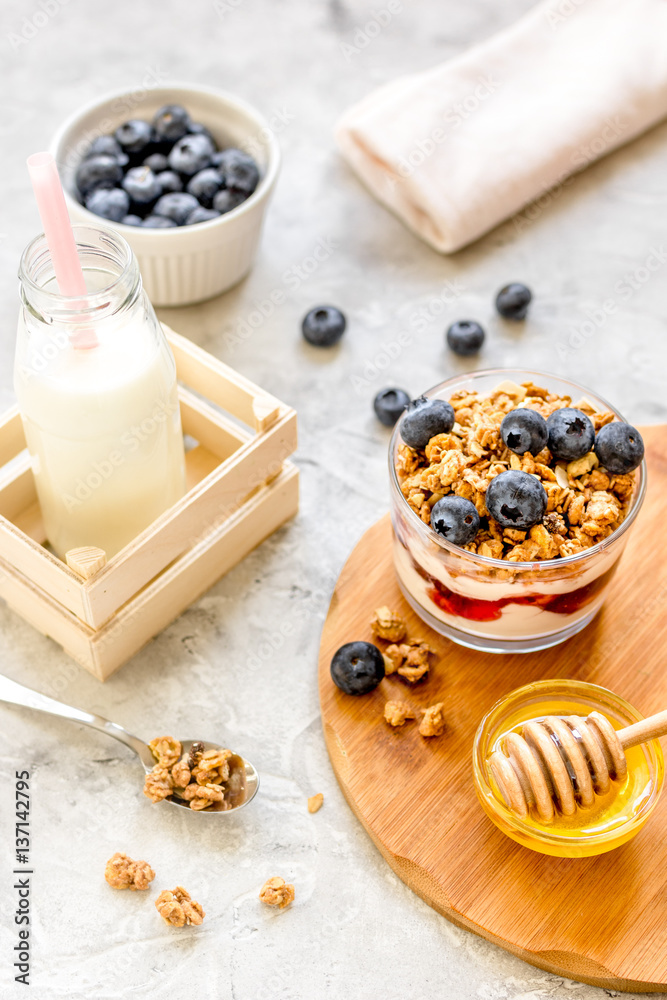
(185, 173)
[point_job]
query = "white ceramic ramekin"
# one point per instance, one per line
(191, 263)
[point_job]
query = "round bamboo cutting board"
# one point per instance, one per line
(599, 920)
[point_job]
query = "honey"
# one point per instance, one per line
(614, 818)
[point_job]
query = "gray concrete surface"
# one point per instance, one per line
(225, 667)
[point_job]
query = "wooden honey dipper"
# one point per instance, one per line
(566, 761)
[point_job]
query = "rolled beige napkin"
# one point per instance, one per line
(457, 149)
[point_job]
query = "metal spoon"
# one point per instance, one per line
(243, 780)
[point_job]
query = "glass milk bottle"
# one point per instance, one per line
(96, 386)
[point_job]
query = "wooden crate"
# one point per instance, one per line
(241, 487)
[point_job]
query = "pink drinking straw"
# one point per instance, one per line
(59, 236)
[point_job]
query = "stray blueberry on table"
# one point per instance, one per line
(191, 154)
(323, 326)
(134, 137)
(619, 447)
(238, 169)
(158, 222)
(205, 185)
(142, 186)
(109, 203)
(456, 519)
(524, 430)
(176, 206)
(157, 162)
(98, 171)
(171, 122)
(424, 418)
(571, 434)
(389, 404)
(465, 337)
(513, 300)
(357, 667)
(516, 500)
(225, 200)
(201, 214)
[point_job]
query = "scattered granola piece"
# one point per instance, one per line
(122, 872)
(393, 659)
(416, 661)
(178, 908)
(315, 802)
(277, 892)
(409, 659)
(158, 784)
(433, 722)
(166, 750)
(388, 625)
(396, 713)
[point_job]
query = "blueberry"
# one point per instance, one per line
(157, 162)
(226, 200)
(424, 419)
(169, 182)
(516, 500)
(191, 154)
(205, 185)
(176, 206)
(513, 300)
(196, 128)
(158, 222)
(619, 447)
(322, 326)
(131, 220)
(134, 136)
(455, 519)
(465, 337)
(108, 203)
(357, 667)
(142, 185)
(389, 404)
(98, 171)
(201, 214)
(106, 145)
(571, 434)
(239, 170)
(524, 430)
(171, 122)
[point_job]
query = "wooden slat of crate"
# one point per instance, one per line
(12, 438)
(218, 382)
(103, 651)
(251, 460)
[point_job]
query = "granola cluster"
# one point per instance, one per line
(585, 503)
(178, 908)
(409, 658)
(197, 776)
(277, 892)
(396, 713)
(315, 802)
(122, 872)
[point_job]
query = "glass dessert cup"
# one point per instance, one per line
(492, 604)
(616, 817)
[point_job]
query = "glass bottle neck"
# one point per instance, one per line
(111, 274)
